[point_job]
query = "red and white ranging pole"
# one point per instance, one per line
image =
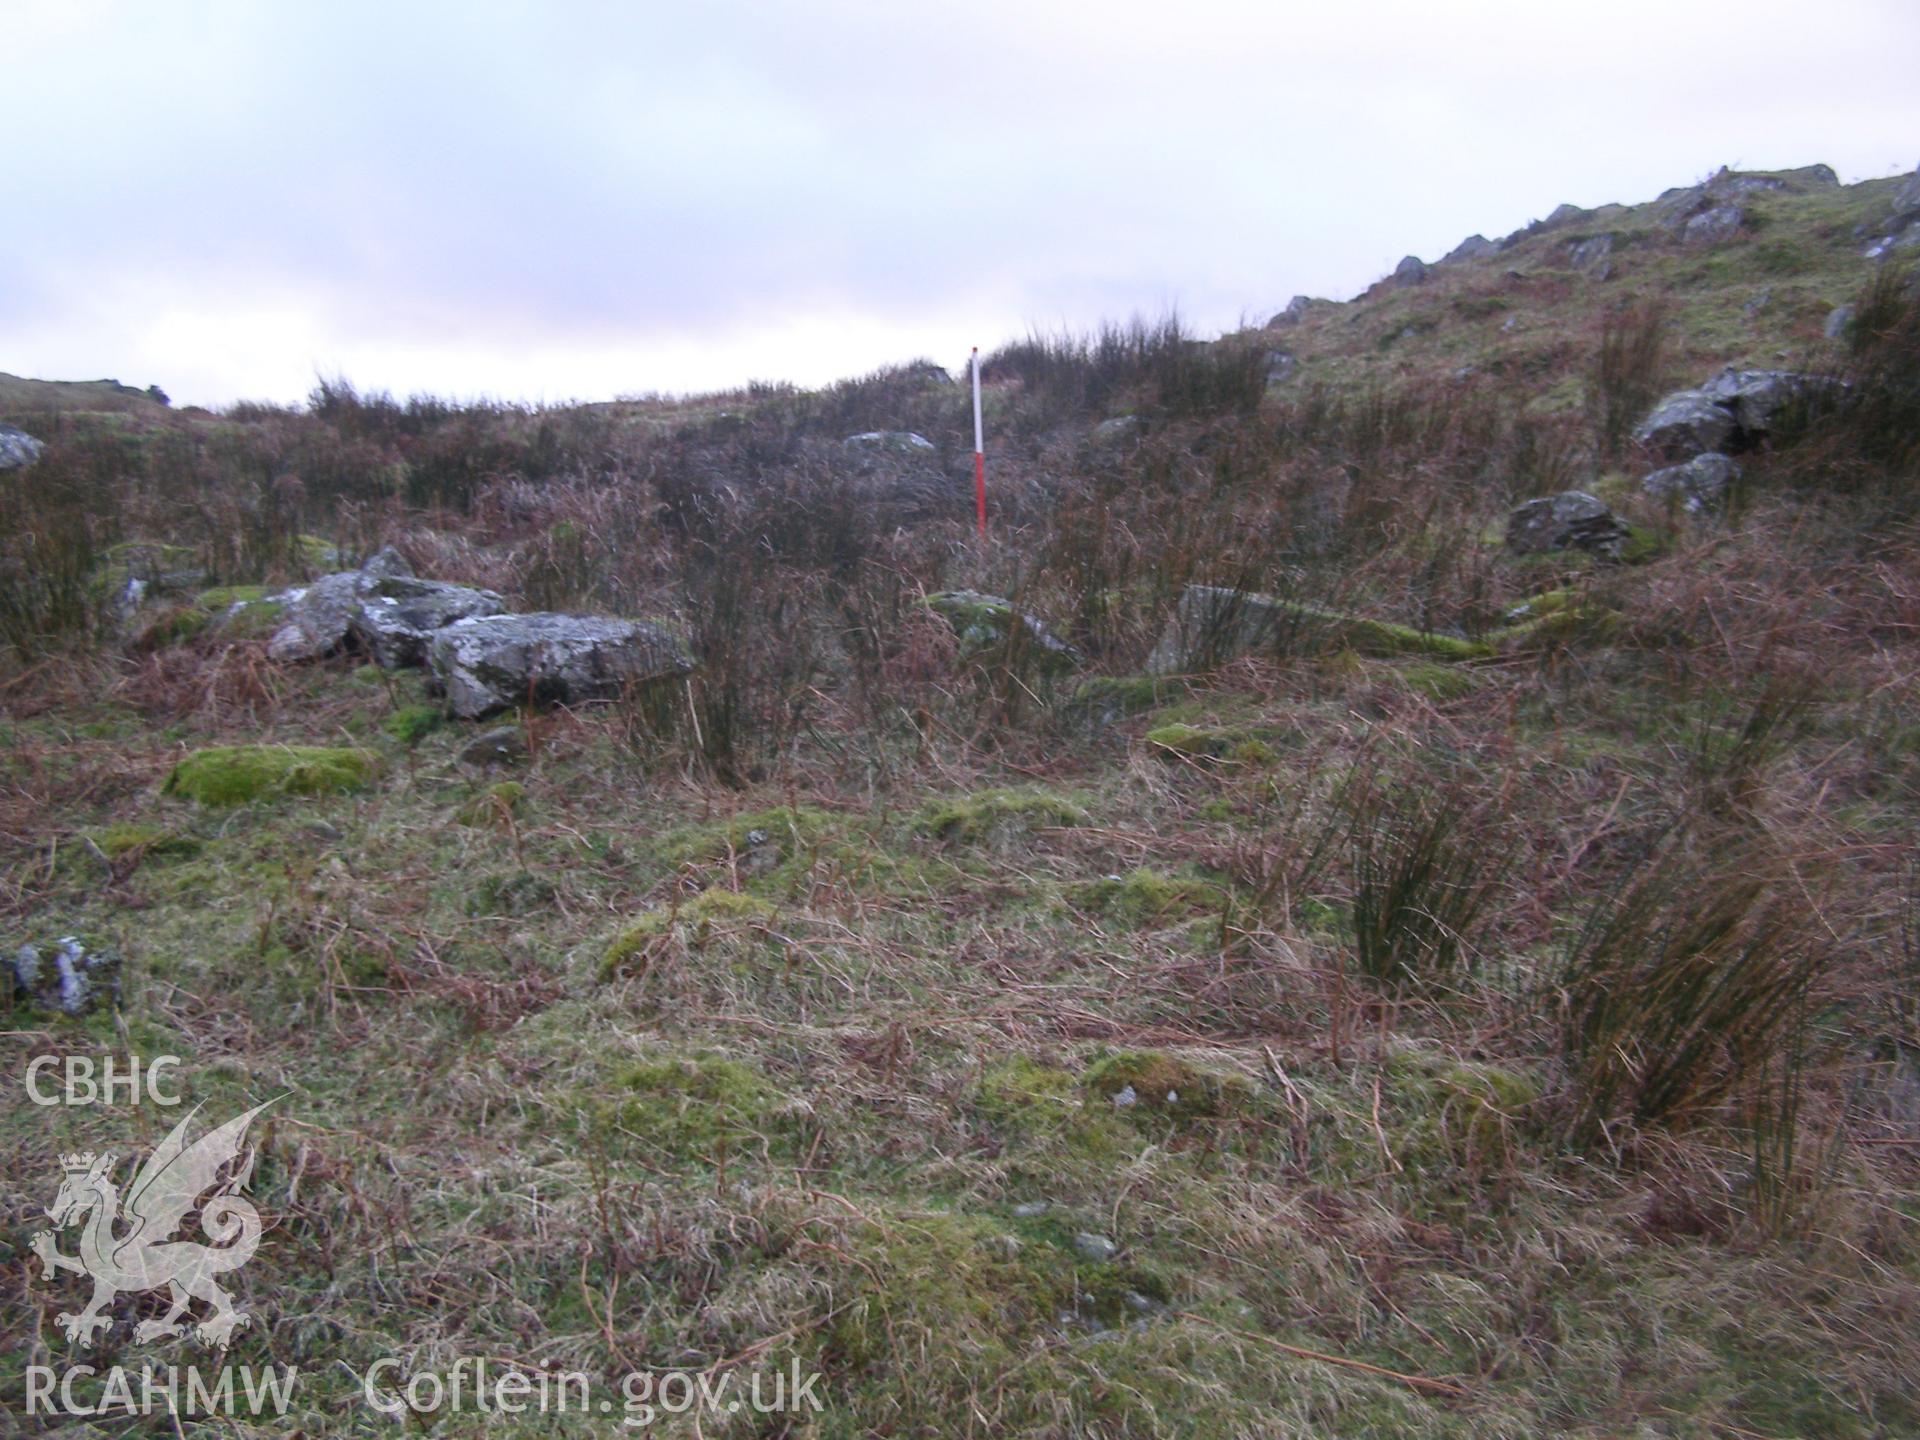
(979, 451)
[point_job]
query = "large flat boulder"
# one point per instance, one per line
(1571, 520)
(18, 449)
(1684, 424)
(489, 663)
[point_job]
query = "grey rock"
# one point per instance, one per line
(1471, 248)
(489, 663)
(1120, 430)
(1031, 1209)
(1564, 215)
(1757, 397)
(394, 622)
(386, 563)
(902, 442)
(1839, 322)
(1571, 520)
(1715, 226)
(317, 620)
(18, 449)
(1410, 271)
(1089, 1246)
(983, 621)
(1699, 484)
(1213, 624)
(1906, 200)
(64, 977)
(1280, 367)
(1686, 423)
(1592, 256)
(502, 745)
(1295, 312)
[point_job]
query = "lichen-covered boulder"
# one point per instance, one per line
(1757, 398)
(64, 977)
(1699, 484)
(317, 619)
(1684, 424)
(489, 663)
(1471, 248)
(394, 622)
(18, 449)
(1592, 257)
(982, 621)
(1412, 270)
(1715, 226)
(1571, 520)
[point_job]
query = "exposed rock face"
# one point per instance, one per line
(1902, 226)
(1295, 312)
(1471, 248)
(1571, 520)
(982, 621)
(490, 663)
(1592, 257)
(1684, 424)
(1839, 322)
(18, 449)
(1700, 484)
(1715, 226)
(1280, 367)
(394, 622)
(1757, 397)
(1410, 271)
(1565, 215)
(65, 976)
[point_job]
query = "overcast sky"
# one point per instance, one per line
(562, 200)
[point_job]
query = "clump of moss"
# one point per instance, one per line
(997, 814)
(496, 805)
(1457, 1110)
(411, 724)
(697, 921)
(693, 1107)
(237, 774)
(1152, 1082)
(512, 892)
(1146, 897)
(1436, 681)
(1107, 698)
(1199, 742)
(786, 828)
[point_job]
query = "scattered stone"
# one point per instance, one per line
(1280, 367)
(1684, 424)
(1839, 322)
(1139, 1303)
(489, 663)
(1126, 1097)
(18, 449)
(1471, 248)
(1700, 483)
(903, 442)
(1089, 1246)
(1715, 226)
(982, 621)
(64, 977)
(1120, 430)
(394, 623)
(1031, 1209)
(1571, 520)
(1410, 271)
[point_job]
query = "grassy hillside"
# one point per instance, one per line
(1488, 1009)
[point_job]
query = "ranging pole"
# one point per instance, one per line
(979, 451)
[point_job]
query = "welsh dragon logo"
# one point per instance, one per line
(126, 1244)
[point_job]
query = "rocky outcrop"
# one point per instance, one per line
(1296, 311)
(1901, 228)
(18, 449)
(484, 664)
(1592, 257)
(1699, 484)
(1280, 367)
(318, 618)
(1715, 226)
(1410, 271)
(1571, 520)
(1471, 248)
